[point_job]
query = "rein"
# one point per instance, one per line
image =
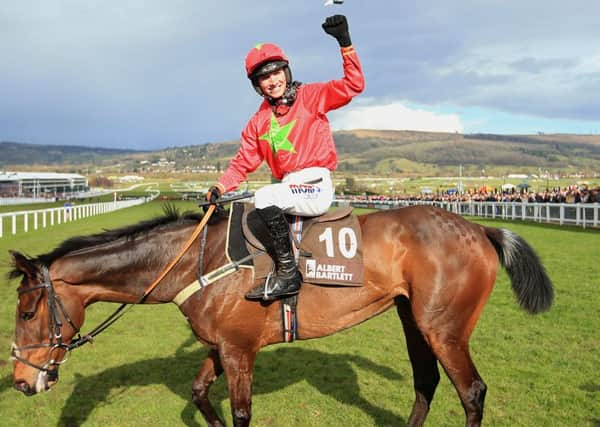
(55, 305)
(120, 311)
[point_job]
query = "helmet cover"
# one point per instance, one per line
(263, 59)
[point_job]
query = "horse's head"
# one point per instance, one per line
(45, 324)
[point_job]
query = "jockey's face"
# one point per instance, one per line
(273, 84)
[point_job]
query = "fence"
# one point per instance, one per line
(7, 201)
(24, 220)
(578, 214)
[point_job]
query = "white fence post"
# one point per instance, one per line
(64, 214)
(562, 214)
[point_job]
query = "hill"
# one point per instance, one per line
(382, 152)
(16, 153)
(407, 151)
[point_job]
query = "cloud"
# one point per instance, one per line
(540, 65)
(545, 86)
(394, 116)
(148, 74)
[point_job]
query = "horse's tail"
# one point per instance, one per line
(529, 280)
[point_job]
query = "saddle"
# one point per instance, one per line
(328, 248)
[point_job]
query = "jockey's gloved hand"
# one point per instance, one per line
(213, 194)
(337, 27)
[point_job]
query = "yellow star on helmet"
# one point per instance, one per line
(277, 136)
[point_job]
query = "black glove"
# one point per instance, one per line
(337, 27)
(213, 194)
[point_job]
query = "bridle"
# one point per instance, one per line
(55, 309)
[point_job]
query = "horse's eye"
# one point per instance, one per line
(28, 315)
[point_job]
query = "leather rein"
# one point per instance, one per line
(56, 307)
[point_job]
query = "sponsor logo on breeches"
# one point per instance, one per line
(307, 191)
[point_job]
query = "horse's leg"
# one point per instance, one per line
(426, 375)
(447, 332)
(238, 364)
(455, 358)
(210, 371)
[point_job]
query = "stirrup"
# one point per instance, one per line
(256, 294)
(265, 293)
(260, 292)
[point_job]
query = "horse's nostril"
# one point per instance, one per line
(23, 387)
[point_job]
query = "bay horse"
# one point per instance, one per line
(435, 267)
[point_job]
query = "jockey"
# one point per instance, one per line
(290, 131)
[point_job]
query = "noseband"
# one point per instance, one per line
(55, 308)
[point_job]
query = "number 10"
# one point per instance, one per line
(347, 242)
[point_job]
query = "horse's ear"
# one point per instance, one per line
(27, 303)
(23, 264)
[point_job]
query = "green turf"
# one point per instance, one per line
(540, 370)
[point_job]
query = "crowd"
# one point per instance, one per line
(571, 194)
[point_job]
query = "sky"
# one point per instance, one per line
(153, 74)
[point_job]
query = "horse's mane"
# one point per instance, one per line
(170, 218)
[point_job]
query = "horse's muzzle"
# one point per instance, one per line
(24, 388)
(44, 381)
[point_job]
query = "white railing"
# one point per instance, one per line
(579, 214)
(23, 221)
(7, 201)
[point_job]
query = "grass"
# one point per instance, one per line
(540, 370)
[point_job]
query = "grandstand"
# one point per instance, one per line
(41, 184)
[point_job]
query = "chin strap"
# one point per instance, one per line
(282, 105)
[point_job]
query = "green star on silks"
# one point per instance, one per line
(277, 136)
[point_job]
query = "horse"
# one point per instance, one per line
(436, 268)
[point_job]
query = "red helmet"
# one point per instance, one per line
(262, 53)
(264, 58)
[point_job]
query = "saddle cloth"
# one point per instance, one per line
(328, 248)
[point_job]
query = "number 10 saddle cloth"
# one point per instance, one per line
(328, 248)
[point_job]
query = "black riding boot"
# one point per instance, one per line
(286, 280)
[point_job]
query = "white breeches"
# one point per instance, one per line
(307, 192)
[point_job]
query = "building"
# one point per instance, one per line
(130, 178)
(41, 184)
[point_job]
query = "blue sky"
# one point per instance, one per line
(151, 74)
